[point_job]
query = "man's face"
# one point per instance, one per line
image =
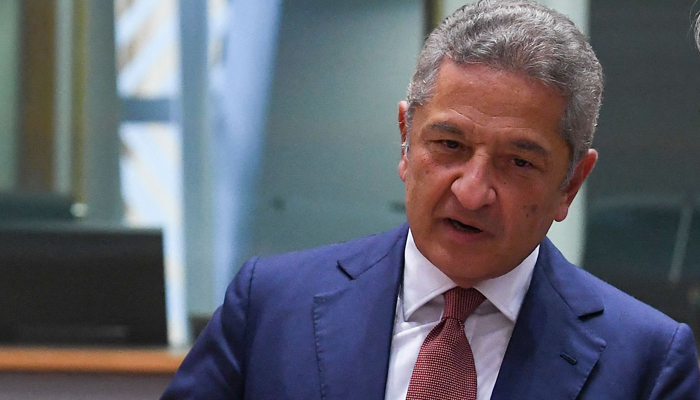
(484, 170)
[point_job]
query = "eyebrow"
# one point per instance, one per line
(529, 145)
(445, 127)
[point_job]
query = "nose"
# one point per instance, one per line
(473, 187)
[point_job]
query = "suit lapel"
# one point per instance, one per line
(353, 322)
(551, 352)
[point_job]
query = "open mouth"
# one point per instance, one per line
(463, 227)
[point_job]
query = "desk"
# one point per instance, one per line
(57, 373)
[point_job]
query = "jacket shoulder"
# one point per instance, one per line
(585, 292)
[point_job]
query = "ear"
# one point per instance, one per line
(403, 162)
(584, 167)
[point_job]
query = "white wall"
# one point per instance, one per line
(101, 117)
(577, 10)
(332, 140)
(240, 111)
(63, 97)
(9, 81)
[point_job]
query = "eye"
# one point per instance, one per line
(450, 144)
(519, 162)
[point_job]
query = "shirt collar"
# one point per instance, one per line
(423, 281)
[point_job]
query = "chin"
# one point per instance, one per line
(461, 273)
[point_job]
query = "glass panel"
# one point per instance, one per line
(147, 48)
(691, 264)
(218, 18)
(691, 271)
(148, 65)
(151, 162)
(648, 144)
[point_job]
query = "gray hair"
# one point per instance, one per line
(525, 37)
(697, 31)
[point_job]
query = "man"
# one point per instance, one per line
(496, 135)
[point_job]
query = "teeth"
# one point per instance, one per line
(465, 228)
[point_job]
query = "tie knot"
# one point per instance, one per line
(460, 303)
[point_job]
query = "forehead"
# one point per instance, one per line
(496, 93)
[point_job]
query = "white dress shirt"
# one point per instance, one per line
(419, 308)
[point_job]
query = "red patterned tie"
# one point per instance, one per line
(445, 367)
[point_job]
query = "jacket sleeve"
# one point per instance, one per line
(215, 366)
(679, 377)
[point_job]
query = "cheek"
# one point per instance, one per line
(422, 173)
(531, 210)
(538, 213)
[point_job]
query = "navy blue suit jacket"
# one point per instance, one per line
(317, 324)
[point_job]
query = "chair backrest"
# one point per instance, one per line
(68, 283)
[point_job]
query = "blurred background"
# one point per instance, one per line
(242, 128)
